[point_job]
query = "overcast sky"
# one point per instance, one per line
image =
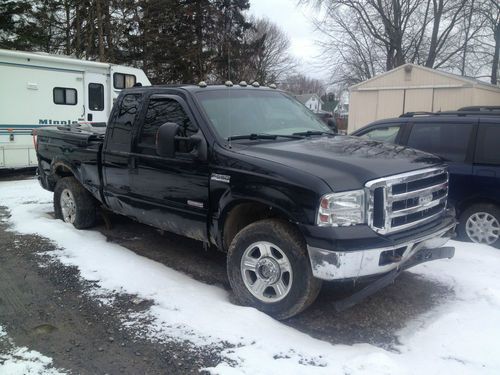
(294, 21)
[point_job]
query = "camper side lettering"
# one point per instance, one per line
(56, 122)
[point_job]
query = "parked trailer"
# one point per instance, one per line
(39, 89)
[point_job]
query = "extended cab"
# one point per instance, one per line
(251, 171)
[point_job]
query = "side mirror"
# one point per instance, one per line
(165, 139)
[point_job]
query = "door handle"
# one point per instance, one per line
(132, 165)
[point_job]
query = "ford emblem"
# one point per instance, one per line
(425, 200)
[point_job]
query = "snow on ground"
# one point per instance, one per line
(459, 337)
(22, 361)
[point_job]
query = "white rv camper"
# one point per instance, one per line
(38, 89)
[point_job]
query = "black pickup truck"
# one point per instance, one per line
(252, 172)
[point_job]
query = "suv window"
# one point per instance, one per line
(120, 137)
(384, 133)
(487, 148)
(450, 141)
(159, 112)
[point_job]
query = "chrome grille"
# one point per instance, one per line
(403, 201)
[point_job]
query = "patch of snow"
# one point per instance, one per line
(22, 361)
(459, 337)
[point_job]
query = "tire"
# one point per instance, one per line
(273, 252)
(479, 220)
(80, 207)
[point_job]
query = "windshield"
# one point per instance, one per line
(234, 112)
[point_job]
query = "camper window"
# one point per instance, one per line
(96, 97)
(65, 96)
(123, 81)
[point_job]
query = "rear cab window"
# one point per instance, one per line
(123, 121)
(447, 140)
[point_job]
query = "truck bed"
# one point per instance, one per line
(78, 147)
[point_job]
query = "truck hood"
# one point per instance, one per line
(343, 162)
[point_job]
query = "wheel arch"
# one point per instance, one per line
(239, 213)
(466, 204)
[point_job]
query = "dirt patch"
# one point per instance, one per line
(46, 307)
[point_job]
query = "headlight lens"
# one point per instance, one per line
(342, 209)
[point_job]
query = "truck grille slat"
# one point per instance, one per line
(403, 201)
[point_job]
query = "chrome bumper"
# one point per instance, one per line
(337, 265)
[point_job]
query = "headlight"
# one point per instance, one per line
(342, 209)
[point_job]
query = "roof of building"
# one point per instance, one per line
(305, 97)
(470, 81)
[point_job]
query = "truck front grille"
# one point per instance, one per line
(400, 202)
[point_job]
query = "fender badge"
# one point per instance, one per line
(220, 177)
(195, 204)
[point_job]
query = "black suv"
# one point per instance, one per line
(469, 141)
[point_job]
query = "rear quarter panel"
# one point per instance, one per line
(58, 152)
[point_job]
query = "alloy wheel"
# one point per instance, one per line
(266, 271)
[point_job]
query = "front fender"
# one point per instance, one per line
(286, 202)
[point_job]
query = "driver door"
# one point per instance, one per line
(169, 193)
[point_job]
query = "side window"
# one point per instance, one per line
(385, 134)
(123, 81)
(450, 141)
(124, 118)
(96, 97)
(487, 147)
(64, 96)
(159, 112)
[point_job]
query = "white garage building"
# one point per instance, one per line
(413, 88)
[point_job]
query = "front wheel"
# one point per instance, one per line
(480, 223)
(74, 204)
(268, 268)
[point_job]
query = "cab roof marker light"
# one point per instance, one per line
(256, 84)
(243, 84)
(228, 84)
(273, 86)
(202, 84)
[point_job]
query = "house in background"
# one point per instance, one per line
(311, 101)
(414, 88)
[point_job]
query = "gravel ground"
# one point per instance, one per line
(46, 307)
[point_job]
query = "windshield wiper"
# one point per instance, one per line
(252, 136)
(255, 136)
(312, 132)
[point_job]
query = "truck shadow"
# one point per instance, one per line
(375, 320)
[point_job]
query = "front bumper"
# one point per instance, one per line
(355, 263)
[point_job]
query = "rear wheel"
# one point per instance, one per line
(268, 268)
(480, 223)
(74, 204)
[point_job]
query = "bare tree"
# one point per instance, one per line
(270, 60)
(299, 84)
(352, 53)
(371, 36)
(491, 11)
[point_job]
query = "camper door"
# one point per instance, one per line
(96, 98)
